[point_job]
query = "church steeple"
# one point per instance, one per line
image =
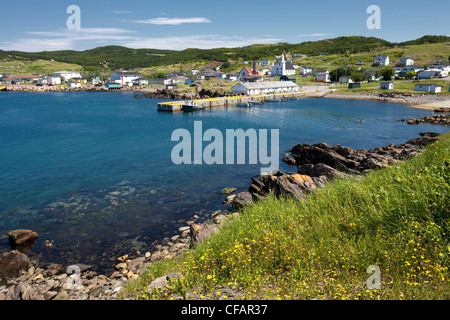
(283, 65)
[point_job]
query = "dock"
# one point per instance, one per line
(176, 106)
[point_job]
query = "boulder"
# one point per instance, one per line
(200, 232)
(11, 265)
(22, 239)
(241, 200)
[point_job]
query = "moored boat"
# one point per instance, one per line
(190, 106)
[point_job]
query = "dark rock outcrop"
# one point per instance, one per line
(11, 265)
(319, 163)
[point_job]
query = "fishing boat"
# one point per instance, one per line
(256, 102)
(190, 106)
(244, 104)
(2, 88)
(273, 100)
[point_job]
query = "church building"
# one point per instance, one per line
(283, 68)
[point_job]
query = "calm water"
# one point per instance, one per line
(92, 172)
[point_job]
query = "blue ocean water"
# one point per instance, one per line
(92, 172)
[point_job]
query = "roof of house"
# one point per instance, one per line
(427, 84)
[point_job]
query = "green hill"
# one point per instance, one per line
(339, 50)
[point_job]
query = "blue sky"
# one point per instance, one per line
(42, 25)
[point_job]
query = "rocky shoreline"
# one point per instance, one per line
(23, 279)
(411, 99)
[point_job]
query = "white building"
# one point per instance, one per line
(382, 60)
(53, 80)
(161, 81)
(345, 80)
(323, 76)
(74, 84)
(306, 70)
(232, 77)
(412, 68)
(283, 68)
(429, 74)
(67, 75)
(265, 62)
(406, 62)
(433, 88)
(124, 77)
(387, 85)
(247, 75)
(140, 81)
(254, 88)
(443, 66)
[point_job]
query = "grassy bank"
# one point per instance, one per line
(397, 219)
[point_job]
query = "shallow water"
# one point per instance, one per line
(92, 172)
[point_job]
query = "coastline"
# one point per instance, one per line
(419, 101)
(55, 282)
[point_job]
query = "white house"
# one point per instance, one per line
(323, 76)
(253, 88)
(412, 68)
(74, 84)
(140, 81)
(406, 62)
(443, 66)
(306, 70)
(283, 68)
(232, 77)
(221, 75)
(382, 60)
(429, 74)
(247, 75)
(387, 85)
(162, 81)
(433, 88)
(124, 77)
(345, 80)
(53, 80)
(67, 75)
(265, 62)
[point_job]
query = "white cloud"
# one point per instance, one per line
(65, 39)
(197, 41)
(174, 21)
(37, 45)
(315, 35)
(122, 12)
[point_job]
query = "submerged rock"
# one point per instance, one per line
(22, 239)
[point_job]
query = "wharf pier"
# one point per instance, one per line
(177, 106)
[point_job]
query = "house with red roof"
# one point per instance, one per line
(247, 75)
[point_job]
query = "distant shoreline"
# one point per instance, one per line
(419, 101)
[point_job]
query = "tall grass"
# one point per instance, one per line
(397, 219)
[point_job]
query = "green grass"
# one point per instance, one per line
(36, 67)
(397, 218)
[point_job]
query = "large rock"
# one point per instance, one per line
(241, 200)
(11, 265)
(200, 232)
(22, 239)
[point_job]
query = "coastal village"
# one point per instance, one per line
(279, 78)
(280, 74)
